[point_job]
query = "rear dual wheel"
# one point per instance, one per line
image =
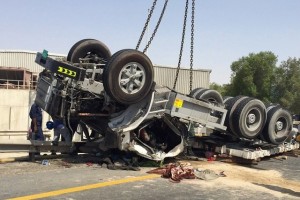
(212, 96)
(245, 117)
(226, 98)
(248, 118)
(230, 105)
(195, 91)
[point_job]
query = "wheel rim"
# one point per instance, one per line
(253, 119)
(280, 127)
(132, 77)
(214, 101)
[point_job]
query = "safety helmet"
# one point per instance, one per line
(49, 125)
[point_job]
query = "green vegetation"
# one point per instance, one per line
(257, 75)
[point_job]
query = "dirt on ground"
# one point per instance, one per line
(268, 181)
(237, 176)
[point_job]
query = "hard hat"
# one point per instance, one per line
(50, 125)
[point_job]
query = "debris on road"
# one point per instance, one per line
(45, 162)
(175, 172)
(118, 164)
(208, 174)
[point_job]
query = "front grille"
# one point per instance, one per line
(46, 98)
(43, 93)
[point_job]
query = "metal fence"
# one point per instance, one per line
(17, 84)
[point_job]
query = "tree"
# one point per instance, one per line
(253, 75)
(286, 88)
(219, 88)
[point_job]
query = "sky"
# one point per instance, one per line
(225, 30)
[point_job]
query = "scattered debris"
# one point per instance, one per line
(66, 165)
(293, 153)
(175, 171)
(45, 162)
(209, 154)
(280, 157)
(208, 174)
(149, 163)
(117, 165)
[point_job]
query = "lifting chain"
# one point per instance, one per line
(156, 27)
(192, 45)
(182, 38)
(146, 24)
(182, 43)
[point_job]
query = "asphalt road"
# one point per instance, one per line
(21, 179)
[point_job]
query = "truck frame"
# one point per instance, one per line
(112, 101)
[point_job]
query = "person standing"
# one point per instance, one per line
(36, 117)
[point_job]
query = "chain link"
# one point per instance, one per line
(182, 38)
(182, 43)
(156, 27)
(146, 25)
(192, 45)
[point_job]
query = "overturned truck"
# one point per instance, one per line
(113, 101)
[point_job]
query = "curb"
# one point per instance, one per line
(26, 158)
(6, 160)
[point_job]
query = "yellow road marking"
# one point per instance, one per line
(86, 187)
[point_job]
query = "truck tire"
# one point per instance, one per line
(230, 106)
(128, 76)
(211, 96)
(87, 48)
(278, 125)
(226, 98)
(249, 118)
(262, 135)
(74, 47)
(195, 91)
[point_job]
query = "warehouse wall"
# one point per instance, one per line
(166, 76)
(22, 59)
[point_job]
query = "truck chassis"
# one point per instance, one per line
(114, 102)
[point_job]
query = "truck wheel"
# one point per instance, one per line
(128, 76)
(89, 48)
(74, 47)
(195, 91)
(249, 118)
(226, 98)
(212, 96)
(230, 106)
(278, 125)
(262, 135)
